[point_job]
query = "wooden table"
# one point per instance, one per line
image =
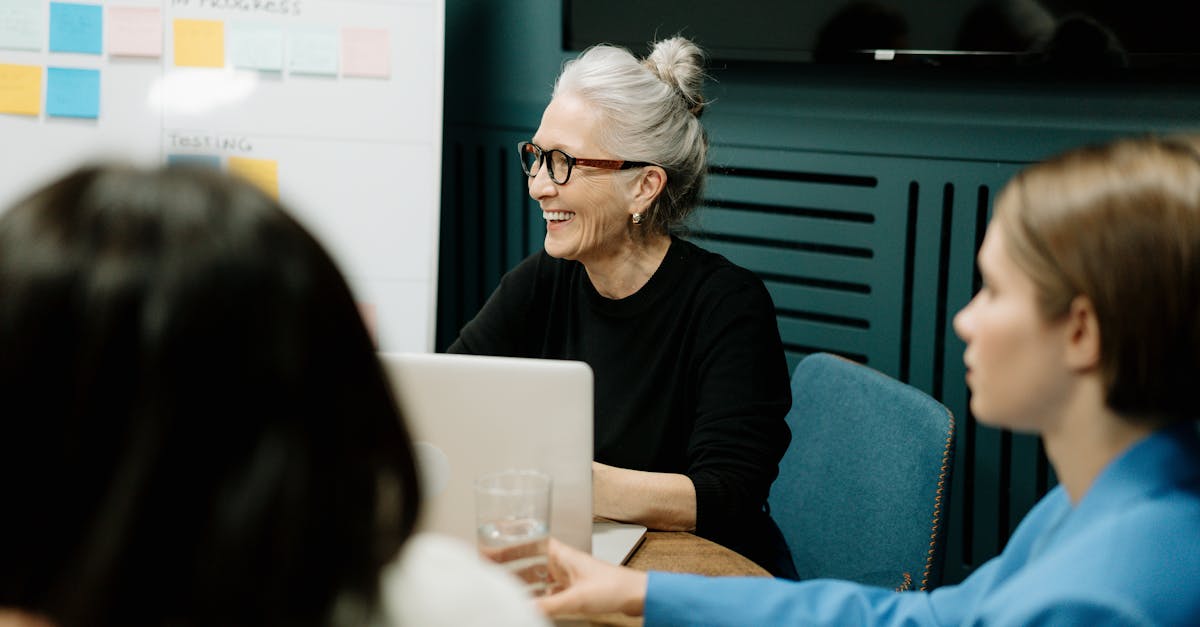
(677, 552)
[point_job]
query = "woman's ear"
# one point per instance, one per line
(1083, 335)
(647, 187)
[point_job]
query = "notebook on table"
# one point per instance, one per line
(471, 415)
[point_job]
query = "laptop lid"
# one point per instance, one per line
(471, 415)
(615, 542)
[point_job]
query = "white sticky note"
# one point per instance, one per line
(313, 50)
(255, 46)
(22, 25)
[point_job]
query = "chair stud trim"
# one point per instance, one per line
(937, 502)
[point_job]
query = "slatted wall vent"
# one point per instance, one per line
(815, 259)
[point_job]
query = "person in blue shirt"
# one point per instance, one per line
(1087, 332)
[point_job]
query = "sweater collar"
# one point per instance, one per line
(672, 267)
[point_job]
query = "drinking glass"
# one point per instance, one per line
(512, 515)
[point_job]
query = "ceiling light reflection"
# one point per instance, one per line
(199, 91)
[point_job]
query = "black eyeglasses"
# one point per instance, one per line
(561, 164)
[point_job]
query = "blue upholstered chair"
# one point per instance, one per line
(863, 490)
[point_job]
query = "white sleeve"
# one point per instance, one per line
(440, 581)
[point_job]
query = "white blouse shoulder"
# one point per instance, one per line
(440, 581)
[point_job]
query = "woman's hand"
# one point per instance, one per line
(583, 584)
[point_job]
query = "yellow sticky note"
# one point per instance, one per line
(262, 172)
(199, 43)
(20, 89)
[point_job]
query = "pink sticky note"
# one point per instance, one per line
(366, 52)
(135, 31)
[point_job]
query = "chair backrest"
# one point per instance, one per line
(864, 487)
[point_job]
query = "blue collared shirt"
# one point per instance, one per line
(1127, 554)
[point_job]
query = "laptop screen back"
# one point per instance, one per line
(472, 415)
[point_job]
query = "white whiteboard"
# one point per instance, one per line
(357, 156)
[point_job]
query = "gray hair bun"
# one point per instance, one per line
(680, 63)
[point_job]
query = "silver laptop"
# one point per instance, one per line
(471, 415)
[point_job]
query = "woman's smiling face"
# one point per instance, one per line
(588, 218)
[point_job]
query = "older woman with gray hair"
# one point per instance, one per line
(690, 377)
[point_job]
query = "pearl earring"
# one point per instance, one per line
(638, 218)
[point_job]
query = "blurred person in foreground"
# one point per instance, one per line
(196, 428)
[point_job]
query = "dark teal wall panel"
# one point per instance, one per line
(851, 200)
(820, 301)
(769, 260)
(783, 227)
(980, 117)
(488, 221)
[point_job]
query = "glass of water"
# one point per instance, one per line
(512, 516)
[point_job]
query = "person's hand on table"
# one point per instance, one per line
(583, 584)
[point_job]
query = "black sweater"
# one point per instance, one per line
(690, 375)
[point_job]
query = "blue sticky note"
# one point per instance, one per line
(76, 27)
(187, 160)
(72, 93)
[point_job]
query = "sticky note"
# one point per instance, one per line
(135, 31)
(199, 43)
(313, 50)
(21, 25)
(366, 52)
(72, 93)
(76, 27)
(20, 89)
(256, 46)
(194, 161)
(262, 172)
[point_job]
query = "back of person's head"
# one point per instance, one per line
(1080, 42)
(196, 428)
(1120, 225)
(1005, 26)
(860, 26)
(649, 111)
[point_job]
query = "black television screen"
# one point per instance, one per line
(1068, 33)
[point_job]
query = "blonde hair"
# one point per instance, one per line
(649, 111)
(1120, 225)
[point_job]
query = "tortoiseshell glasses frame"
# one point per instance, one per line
(533, 156)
